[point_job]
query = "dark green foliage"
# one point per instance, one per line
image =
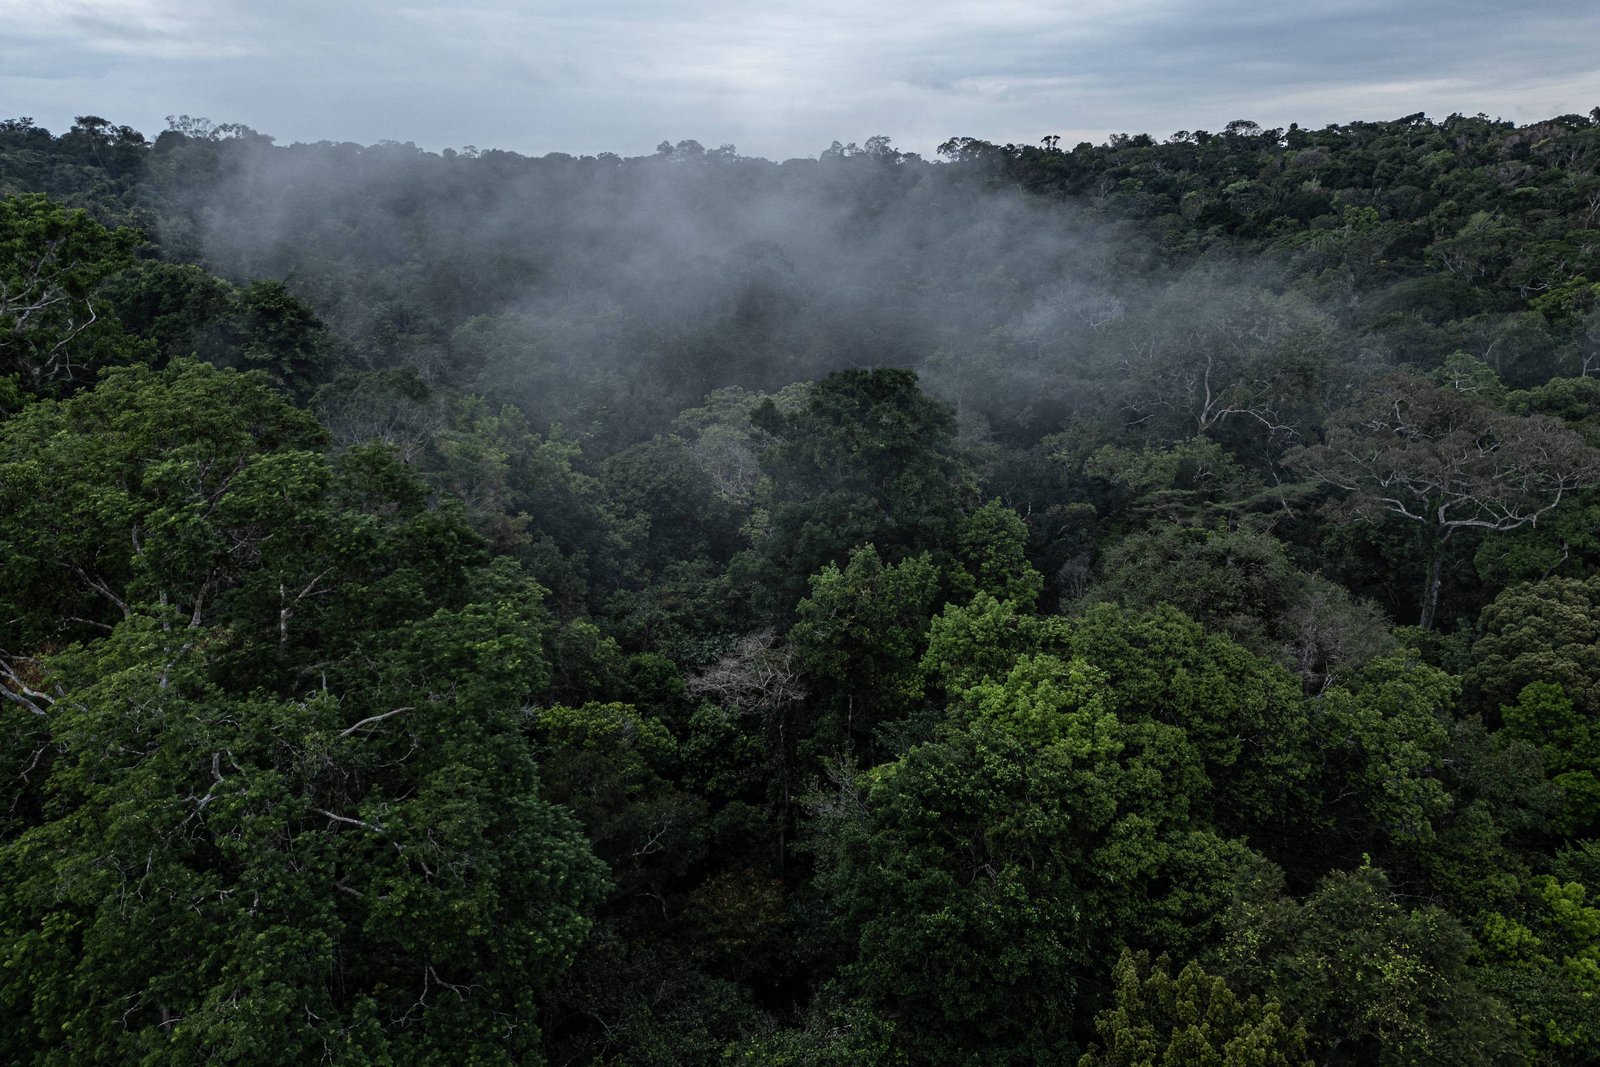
(1373, 981)
(157, 488)
(1240, 582)
(55, 326)
(1540, 632)
(868, 460)
(242, 879)
(859, 638)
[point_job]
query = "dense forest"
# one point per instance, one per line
(1129, 604)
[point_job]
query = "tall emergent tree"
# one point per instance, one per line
(1446, 461)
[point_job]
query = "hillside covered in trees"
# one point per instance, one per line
(1132, 604)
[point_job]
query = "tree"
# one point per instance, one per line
(367, 872)
(985, 876)
(1191, 1019)
(1536, 670)
(1241, 583)
(54, 327)
(1545, 632)
(1570, 743)
(868, 460)
(1375, 981)
(1542, 954)
(270, 706)
(859, 638)
(1205, 355)
(1447, 462)
(1061, 809)
(155, 488)
(1384, 738)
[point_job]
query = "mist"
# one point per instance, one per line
(566, 283)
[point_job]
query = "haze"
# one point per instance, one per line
(784, 79)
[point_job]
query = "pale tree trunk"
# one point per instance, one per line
(1430, 598)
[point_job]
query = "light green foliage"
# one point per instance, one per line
(1191, 1020)
(1576, 401)
(981, 640)
(986, 873)
(1543, 955)
(1044, 701)
(1472, 376)
(1244, 716)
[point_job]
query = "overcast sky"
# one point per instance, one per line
(780, 78)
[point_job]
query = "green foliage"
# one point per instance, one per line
(720, 723)
(1384, 740)
(992, 546)
(843, 1035)
(859, 638)
(1186, 481)
(327, 875)
(1372, 980)
(1544, 962)
(977, 642)
(1034, 809)
(868, 460)
(1447, 462)
(1545, 631)
(1244, 716)
(1544, 716)
(1233, 581)
(1194, 1018)
(52, 263)
(612, 766)
(155, 488)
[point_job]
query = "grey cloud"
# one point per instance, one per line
(784, 79)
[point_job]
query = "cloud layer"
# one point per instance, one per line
(784, 79)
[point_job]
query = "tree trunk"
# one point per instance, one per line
(1430, 599)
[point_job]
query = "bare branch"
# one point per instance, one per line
(347, 731)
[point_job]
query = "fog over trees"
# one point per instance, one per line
(1123, 604)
